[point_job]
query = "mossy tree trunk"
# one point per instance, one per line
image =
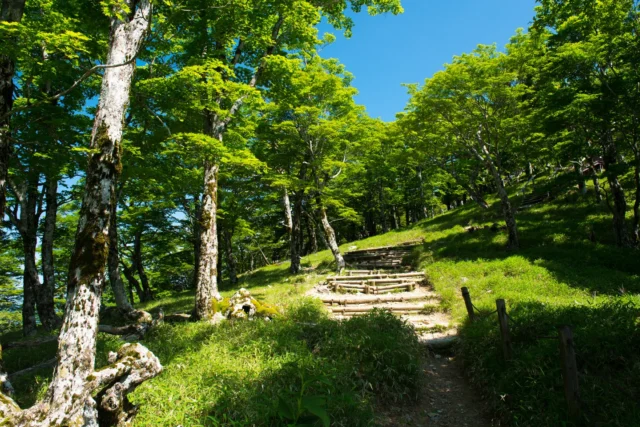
(70, 400)
(207, 287)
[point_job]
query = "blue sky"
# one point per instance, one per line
(386, 51)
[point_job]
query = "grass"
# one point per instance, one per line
(249, 373)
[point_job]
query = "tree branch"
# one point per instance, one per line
(59, 95)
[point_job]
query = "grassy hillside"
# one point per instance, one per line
(245, 373)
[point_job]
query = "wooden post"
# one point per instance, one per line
(468, 304)
(569, 371)
(504, 328)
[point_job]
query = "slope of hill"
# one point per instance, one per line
(567, 272)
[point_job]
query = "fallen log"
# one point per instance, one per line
(46, 364)
(30, 343)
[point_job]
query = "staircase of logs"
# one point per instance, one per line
(387, 257)
(406, 294)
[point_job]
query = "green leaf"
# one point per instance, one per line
(317, 406)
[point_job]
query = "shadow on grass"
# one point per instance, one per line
(556, 237)
(529, 388)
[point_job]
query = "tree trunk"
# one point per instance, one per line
(423, 208)
(619, 208)
(117, 286)
(383, 212)
(394, 211)
(475, 196)
(232, 263)
(507, 210)
(582, 185)
(139, 266)
(311, 232)
(196, 238)
(11, 11)
(295, 244)
(133, 282)
(46, 292)
(330, 235)
(207, 287)
(70, 397)
(636, 205)
(596, 185)
(288, 221)
(31, 283)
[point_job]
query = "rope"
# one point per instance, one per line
(481, 313)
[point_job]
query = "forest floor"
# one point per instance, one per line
(560, 276)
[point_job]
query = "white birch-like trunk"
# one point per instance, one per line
(69, 400)
(288, 221)
(330, 236)
(207, 286)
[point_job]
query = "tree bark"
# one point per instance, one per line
(288, 221)
(311, 232)
(394, 211)
(133, 282)
(507, 210)
(25, 217)
(11, 11)
(117, 286)
(423, 208)
(196, 238)
(619, 208)
(582, 185)
(330, 235)
(70, 397)
(295, 243)
(232, 262)
(596, 184)
(30, 285)
(383, 211)
(139, 266)
(636, 204)
(207, 288)
(46, 292)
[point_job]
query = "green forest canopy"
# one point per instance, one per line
(236, 145)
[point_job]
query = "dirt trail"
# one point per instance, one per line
(446, 399)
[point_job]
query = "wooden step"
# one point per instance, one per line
(377, 299)
(399, 308)
(371, 289)
(377, 276)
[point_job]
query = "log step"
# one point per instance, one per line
(400, 308)
(377, 276)
(377, 299)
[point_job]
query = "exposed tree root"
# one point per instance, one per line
(128, 368)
